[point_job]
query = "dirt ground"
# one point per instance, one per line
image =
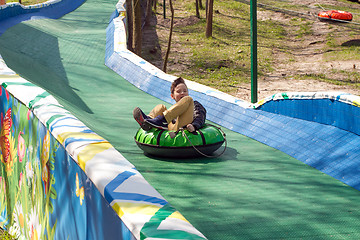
(307, 54)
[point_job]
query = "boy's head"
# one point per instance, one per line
(178, 89)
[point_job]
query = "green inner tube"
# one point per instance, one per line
(158, 142)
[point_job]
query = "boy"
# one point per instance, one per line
(184, 113)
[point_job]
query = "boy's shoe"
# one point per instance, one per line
(140, 117)
(157, 122)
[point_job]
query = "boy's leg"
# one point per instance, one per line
(140, 117)
(157, 111)
(182, 111)
(157, 119)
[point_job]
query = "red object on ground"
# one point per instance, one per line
(337, 15)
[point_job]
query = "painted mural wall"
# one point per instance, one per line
(44, 193)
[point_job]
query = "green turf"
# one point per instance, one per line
(251, 192)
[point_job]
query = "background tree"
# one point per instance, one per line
(148, 14)
(200, 4)
(197, 8)
(206, 8)
(209, 17)
(170, 36)
(129, 18)
(137, 35)
(155, 5)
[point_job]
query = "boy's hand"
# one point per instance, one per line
(190, 127)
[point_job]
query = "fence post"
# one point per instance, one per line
(253, 31)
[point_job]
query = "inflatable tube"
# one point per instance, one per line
(185, 144)
(335, 15)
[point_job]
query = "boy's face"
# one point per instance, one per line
(180, 91)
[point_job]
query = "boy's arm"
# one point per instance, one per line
(199, 115)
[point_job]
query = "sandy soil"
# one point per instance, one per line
(307, 54)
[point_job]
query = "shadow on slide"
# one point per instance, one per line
(40, 61)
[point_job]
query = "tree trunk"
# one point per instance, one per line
(209, 18)
(129, 18)
(170, 36)
(148, 12)
(200, 4)
(164, 8)
(137, 27)
(155, 2)
(206, 8)
(197, 8)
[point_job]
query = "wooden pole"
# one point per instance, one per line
(170, 36)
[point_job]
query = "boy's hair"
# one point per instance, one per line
(176, 82)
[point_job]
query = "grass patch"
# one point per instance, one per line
(338, 77)
(342, 52)
(224, 61)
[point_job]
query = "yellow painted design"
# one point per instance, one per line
(178, 216)
(141, 208)
(65, 135)
(118, 210)
(136, 208)
(80, 193)
(45, 151)
(356, 102)
(88, 152)
(261, 102)
(10, 76)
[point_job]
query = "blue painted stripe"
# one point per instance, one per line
(74, 126)
(74, 139)
(55, 122)
(110, 195)
(138, 198)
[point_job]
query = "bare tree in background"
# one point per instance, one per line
(209, 18)
(155, 5)
(197, 8)
(129, 19)
(136, 7)
(170, 36)
(200, 4)
(206, 7)
(148, 12)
